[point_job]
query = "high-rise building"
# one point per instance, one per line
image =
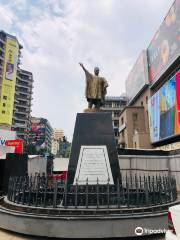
(115, 105)
(58, 135)
(22, 104)
(55, 147)
(10, 52)
(40, 134)
(15, 88)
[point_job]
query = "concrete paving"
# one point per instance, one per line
(6, 235)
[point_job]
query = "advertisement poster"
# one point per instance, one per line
(165, 46)
(164, 110)
(167, 108)
(138, 77)
(154, 115)
(38, 128)
(9, 81)
(177, 115)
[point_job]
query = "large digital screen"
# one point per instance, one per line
(9, 81)
(165, 46)
(164, 110)
(138, 76)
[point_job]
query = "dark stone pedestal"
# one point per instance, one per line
(93, 129)
(14, 165)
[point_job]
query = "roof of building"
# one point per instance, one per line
(60, 164)
(115, 98)
(11, 36)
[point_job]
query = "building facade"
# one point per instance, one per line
(58, 135)
(154, 85)
(40, 134)
(10, 53)
(15, 88)
(132, 131)
(115, 105)
(55, 147)
(22, 104)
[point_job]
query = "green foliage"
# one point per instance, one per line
(64, 148)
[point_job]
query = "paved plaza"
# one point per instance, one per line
(5, 235)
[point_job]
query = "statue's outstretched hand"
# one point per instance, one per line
(81, 65)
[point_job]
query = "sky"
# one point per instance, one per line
(58, 34)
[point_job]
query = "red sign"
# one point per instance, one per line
(18, 144)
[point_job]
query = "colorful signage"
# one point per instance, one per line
(18, 144)
(164, 110)
(138, 77)
(6, 135)
(154, 115)
(165, 46)
(38, 132)
(9, 81)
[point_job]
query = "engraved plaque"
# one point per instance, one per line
(93, 164)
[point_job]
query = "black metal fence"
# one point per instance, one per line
(128, 192)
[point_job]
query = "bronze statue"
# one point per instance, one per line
(95, 88)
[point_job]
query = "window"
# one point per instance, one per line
(146, 99)
(122, 121)
(116, 114)
(5, 97)
(116, 104)
(3, 112)
(116, 123)
(142, 103)
(135, 117)
(4, 104)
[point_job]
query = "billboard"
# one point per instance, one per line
(18, 144)
(38, 129)
(165, 46)
(138, 76)
(5, 136)
(164, 110)
(9, 81)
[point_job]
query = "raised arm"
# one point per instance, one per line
(85, 70)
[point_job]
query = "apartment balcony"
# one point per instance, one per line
(22, 112)
(20, 116)
(25, 105)
(24, 97)
(17, 118)
(21, 85)
(2, 41)
(23, 91)
(115, 117)
(19, 127)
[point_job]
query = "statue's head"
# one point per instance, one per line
(96, 71)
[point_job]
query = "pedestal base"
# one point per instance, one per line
(93, 129)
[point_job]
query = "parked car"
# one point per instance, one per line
(173, 232)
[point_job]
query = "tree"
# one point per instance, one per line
(64, 148)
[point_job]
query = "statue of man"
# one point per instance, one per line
(95, 88)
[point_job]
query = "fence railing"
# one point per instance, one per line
(128, 192)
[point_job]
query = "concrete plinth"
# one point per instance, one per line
(83, 226)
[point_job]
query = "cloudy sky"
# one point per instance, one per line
(57, 34)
